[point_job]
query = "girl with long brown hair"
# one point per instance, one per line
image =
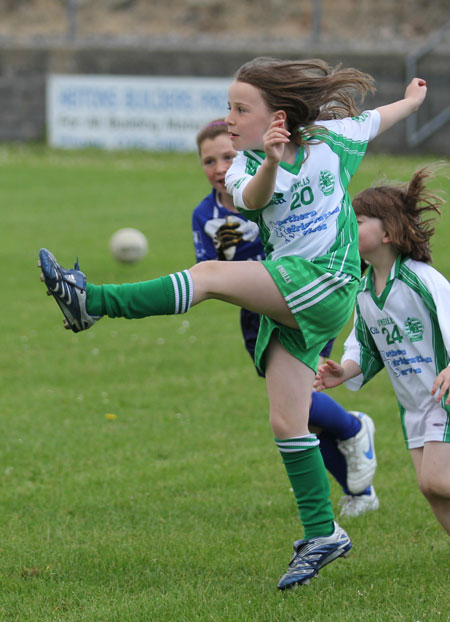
(298, 147)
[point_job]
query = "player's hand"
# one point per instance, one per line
(416, 91)
(228, 235)
(441, 386)
(275, 139)
(226, 239)
(329, 374)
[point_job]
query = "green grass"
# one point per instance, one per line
(179, 509)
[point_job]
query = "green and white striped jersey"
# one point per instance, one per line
(310, 213)
(406, 330)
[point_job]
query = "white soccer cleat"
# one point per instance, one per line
(355, 505)
(359, 452)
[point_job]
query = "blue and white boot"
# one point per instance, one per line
(68, 288)
(359, 452)
(312, 555)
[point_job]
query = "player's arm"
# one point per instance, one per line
(331, 374)
(441, 386)
(259, 190)
(439, 288)
(392, 113)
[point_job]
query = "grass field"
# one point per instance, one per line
(178, 509)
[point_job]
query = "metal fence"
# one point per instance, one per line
(415, 133)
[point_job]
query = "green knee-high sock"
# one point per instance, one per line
(164, 296)
(306, 471)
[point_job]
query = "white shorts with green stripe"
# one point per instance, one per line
(321, 301)
(425, 426)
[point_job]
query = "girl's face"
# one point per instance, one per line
(216, 157)
(372, 236)
(249, 116)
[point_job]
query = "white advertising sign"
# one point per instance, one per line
(119, 112)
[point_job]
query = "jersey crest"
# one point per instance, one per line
(326, 182)
(414, 329)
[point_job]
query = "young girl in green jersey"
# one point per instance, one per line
(291, 122)
(401, 323)
(218, 228)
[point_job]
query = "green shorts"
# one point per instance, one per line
(321, 301)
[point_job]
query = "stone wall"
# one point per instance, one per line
(23, 71)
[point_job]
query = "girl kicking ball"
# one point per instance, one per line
(300, 139)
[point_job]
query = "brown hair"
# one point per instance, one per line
(211, 130)
(308, 91)
(401, 208)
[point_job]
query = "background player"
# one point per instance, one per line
(401, 323)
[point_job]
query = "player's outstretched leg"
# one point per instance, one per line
(312, 555)
(68, 288)
(244, 283)
(359, 452)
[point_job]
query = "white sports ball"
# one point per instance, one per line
(128, 245)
